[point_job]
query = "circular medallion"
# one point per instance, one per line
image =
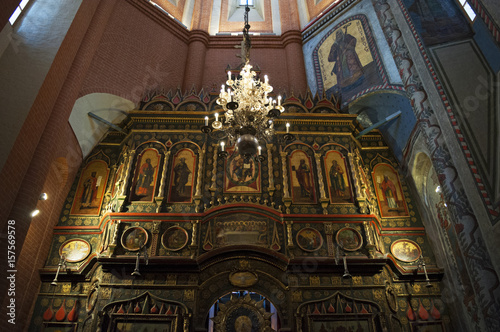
(134, 238)
(309, 239)
(175, 238)
(243, 279)
(405, 250)
(75, 250)
(349, 239)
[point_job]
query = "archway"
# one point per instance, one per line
(242, 311)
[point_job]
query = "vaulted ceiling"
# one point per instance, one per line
(225, 16)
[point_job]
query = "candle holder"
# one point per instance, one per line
(136, 272)
(421, 264)
(346, 274)
(206, 129)
(62, 262)
(222, 154)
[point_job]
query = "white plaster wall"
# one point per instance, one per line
(29, 48)
(365, 7)
(90, 131)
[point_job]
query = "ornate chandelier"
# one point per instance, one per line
(249, 112)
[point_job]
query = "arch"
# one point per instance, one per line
(221, 310)
(375, 107)
(269, 282)
(88, 131)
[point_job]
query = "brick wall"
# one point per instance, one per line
(41, 138)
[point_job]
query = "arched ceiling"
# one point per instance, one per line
(226, 16)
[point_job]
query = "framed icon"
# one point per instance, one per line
(349, 239)
(309, 239)
(75, 250)
(406, 250)
(134, 238)
(175, 238)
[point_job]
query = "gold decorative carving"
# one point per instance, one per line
(243, 278)
(213, 180)
(289, 233)
(286, 193)
(189, 295)
(207, 243)
(270, 170)
(275, 245)
(171, 279)
(391, 297)
(297, 296)
(314, 281)
(235, 316)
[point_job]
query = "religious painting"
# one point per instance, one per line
(427, 326)
(250, 232)
(134, 238)
(438, 21)
(337, 176)
(175, 238)
(114, 188)
(405, 250)
(342, 324)
(309, 239)
(75, 250)
(301, 175)
(390, 196)
(90, 190)
(366, 184)
(146, 174)
(345, 59)
(349, 239)
(182, 177)
(242, 175)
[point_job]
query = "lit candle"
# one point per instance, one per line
(266, 79)
(260, 150)
(222, 146)
(216, 116)
(206, 121)
(222, 88)
(270, 101)
(287, 127)
(279, 100)
(229, 75)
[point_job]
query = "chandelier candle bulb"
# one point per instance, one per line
(287, 127)
(222, 144)
(266, 79)
(216, 116)
(260, 150)
(229, 75)
(279, 100)
(206, 121)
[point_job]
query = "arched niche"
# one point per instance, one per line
(245, 271)
(375, 107)
(106, 106)
(243, 311)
